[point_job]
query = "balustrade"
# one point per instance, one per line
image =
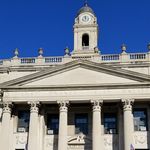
(108, 58)
(27, 60)
(53, 59)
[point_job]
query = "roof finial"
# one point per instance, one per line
(85, 3)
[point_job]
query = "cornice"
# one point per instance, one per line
(76, 87)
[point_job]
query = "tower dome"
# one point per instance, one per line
(86, 8)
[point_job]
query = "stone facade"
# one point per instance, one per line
(80, 101)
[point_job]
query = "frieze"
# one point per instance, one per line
(136, 93)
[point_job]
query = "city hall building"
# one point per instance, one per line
(83, 100)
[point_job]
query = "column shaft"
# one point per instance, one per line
(5, 130)
(63, 124)
(128, 123)
(96, 130)
(33, 127)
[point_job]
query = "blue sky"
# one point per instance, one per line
(31, 24)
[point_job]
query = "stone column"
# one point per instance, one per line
(63, 124)
(5, 130)
(33, 142)
(96, 128)
(128, 123)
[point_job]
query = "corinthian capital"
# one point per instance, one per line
(7, 106)
(97, 104)
(127, 104)
(63, 105)
(34, 106)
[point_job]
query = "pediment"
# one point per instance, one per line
(79, 73)
(79, 76)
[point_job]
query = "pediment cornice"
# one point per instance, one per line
(75, 64)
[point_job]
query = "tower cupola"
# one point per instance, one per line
(85, 31)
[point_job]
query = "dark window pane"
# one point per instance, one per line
(52, 123)
(140, 119)
(110, 123)
(23, 121)
(81, 123)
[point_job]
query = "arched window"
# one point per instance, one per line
(85, 40)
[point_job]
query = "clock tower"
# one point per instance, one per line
(85, 32)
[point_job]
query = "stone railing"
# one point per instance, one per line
(107, 58)
(113, 57)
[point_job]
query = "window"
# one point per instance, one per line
(23, 121)
(110, 123)
(140, 119)
(85, 40)
(81, 123)
(52, 123)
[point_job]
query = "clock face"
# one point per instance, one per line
(85, 18)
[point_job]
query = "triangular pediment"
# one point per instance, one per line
(78, 76)
(79, 73)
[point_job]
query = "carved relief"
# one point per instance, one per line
(78, 139)
(110, 142)
(140, 139)
(21, 139)
(49, 143)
